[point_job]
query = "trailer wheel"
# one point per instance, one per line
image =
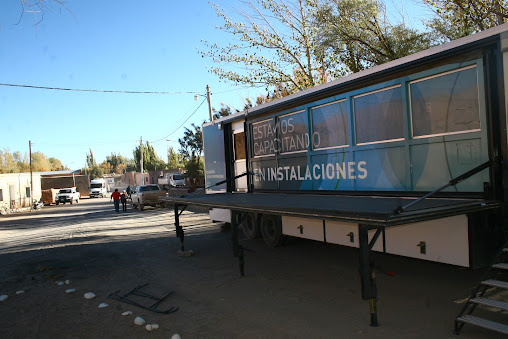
(271, 229)
(250, 226)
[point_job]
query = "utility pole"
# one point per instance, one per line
(208, 94)
(31, 176)
(141, 160)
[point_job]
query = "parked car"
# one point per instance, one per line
(147, 195)
(67, 195)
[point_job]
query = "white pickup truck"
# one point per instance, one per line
(67, 195)
(147, 195)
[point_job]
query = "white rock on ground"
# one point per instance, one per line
(67, 282)
(20, 292)
(176, 336)
(102, 305)
(89, 295)
(127, 313)
(139, 321)
(60, 283)
(151, 327)
(70, 290)
(4, 297)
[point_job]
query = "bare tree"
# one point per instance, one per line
(37, 8)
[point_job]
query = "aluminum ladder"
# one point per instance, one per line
(488, 297)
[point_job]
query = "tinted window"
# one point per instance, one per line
(329, 125)
(446, 103)
(293, 135)
(378, 116)
(264, 138)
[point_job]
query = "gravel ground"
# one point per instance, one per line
(305, 289)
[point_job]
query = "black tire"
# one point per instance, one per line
(56, 203)
(271, 229)
(250, 226)
(134, 206)
(141, 207)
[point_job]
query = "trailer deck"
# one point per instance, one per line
(370, 212)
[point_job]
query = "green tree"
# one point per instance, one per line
(224, 111)
(151, 160)
(191, 147)
(272, 43)
(175, 159)
(117, 162)
(358, 34)
(7, 163)
(93, 169)
(56, 165)
(18, 163)
(40, 163)
(458, 18)
(22, 162)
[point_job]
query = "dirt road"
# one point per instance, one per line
(302, 290)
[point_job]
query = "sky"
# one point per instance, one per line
(130, 45)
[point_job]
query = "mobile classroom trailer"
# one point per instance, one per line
(405, 158)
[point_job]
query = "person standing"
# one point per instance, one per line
(123, 200)
(115, 196)
(129, 191)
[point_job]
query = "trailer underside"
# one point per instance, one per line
(370, 213)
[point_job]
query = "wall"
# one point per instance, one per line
(81, 182)
(14, 186)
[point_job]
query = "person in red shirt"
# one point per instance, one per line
(115, 196)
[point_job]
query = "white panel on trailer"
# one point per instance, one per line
(303, 228)
(241, 183)
(220, 214)
(240, 164)
(446, 240)
(237, 126)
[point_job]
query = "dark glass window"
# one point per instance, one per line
(293, 132)
(445, 104)
(378, 116)
(264, 138)
(27, 192)
(330, 125)
(1, 195)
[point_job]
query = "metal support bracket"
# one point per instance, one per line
(367, 270)
(238, 250)
(179, 229)
(137, 291)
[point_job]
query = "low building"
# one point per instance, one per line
(57, 179)
(16, 190)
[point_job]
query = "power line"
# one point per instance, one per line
(201, 104)
(94, 90)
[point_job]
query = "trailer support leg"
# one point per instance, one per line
(178, 228)
(368, 272)
(238, 252)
